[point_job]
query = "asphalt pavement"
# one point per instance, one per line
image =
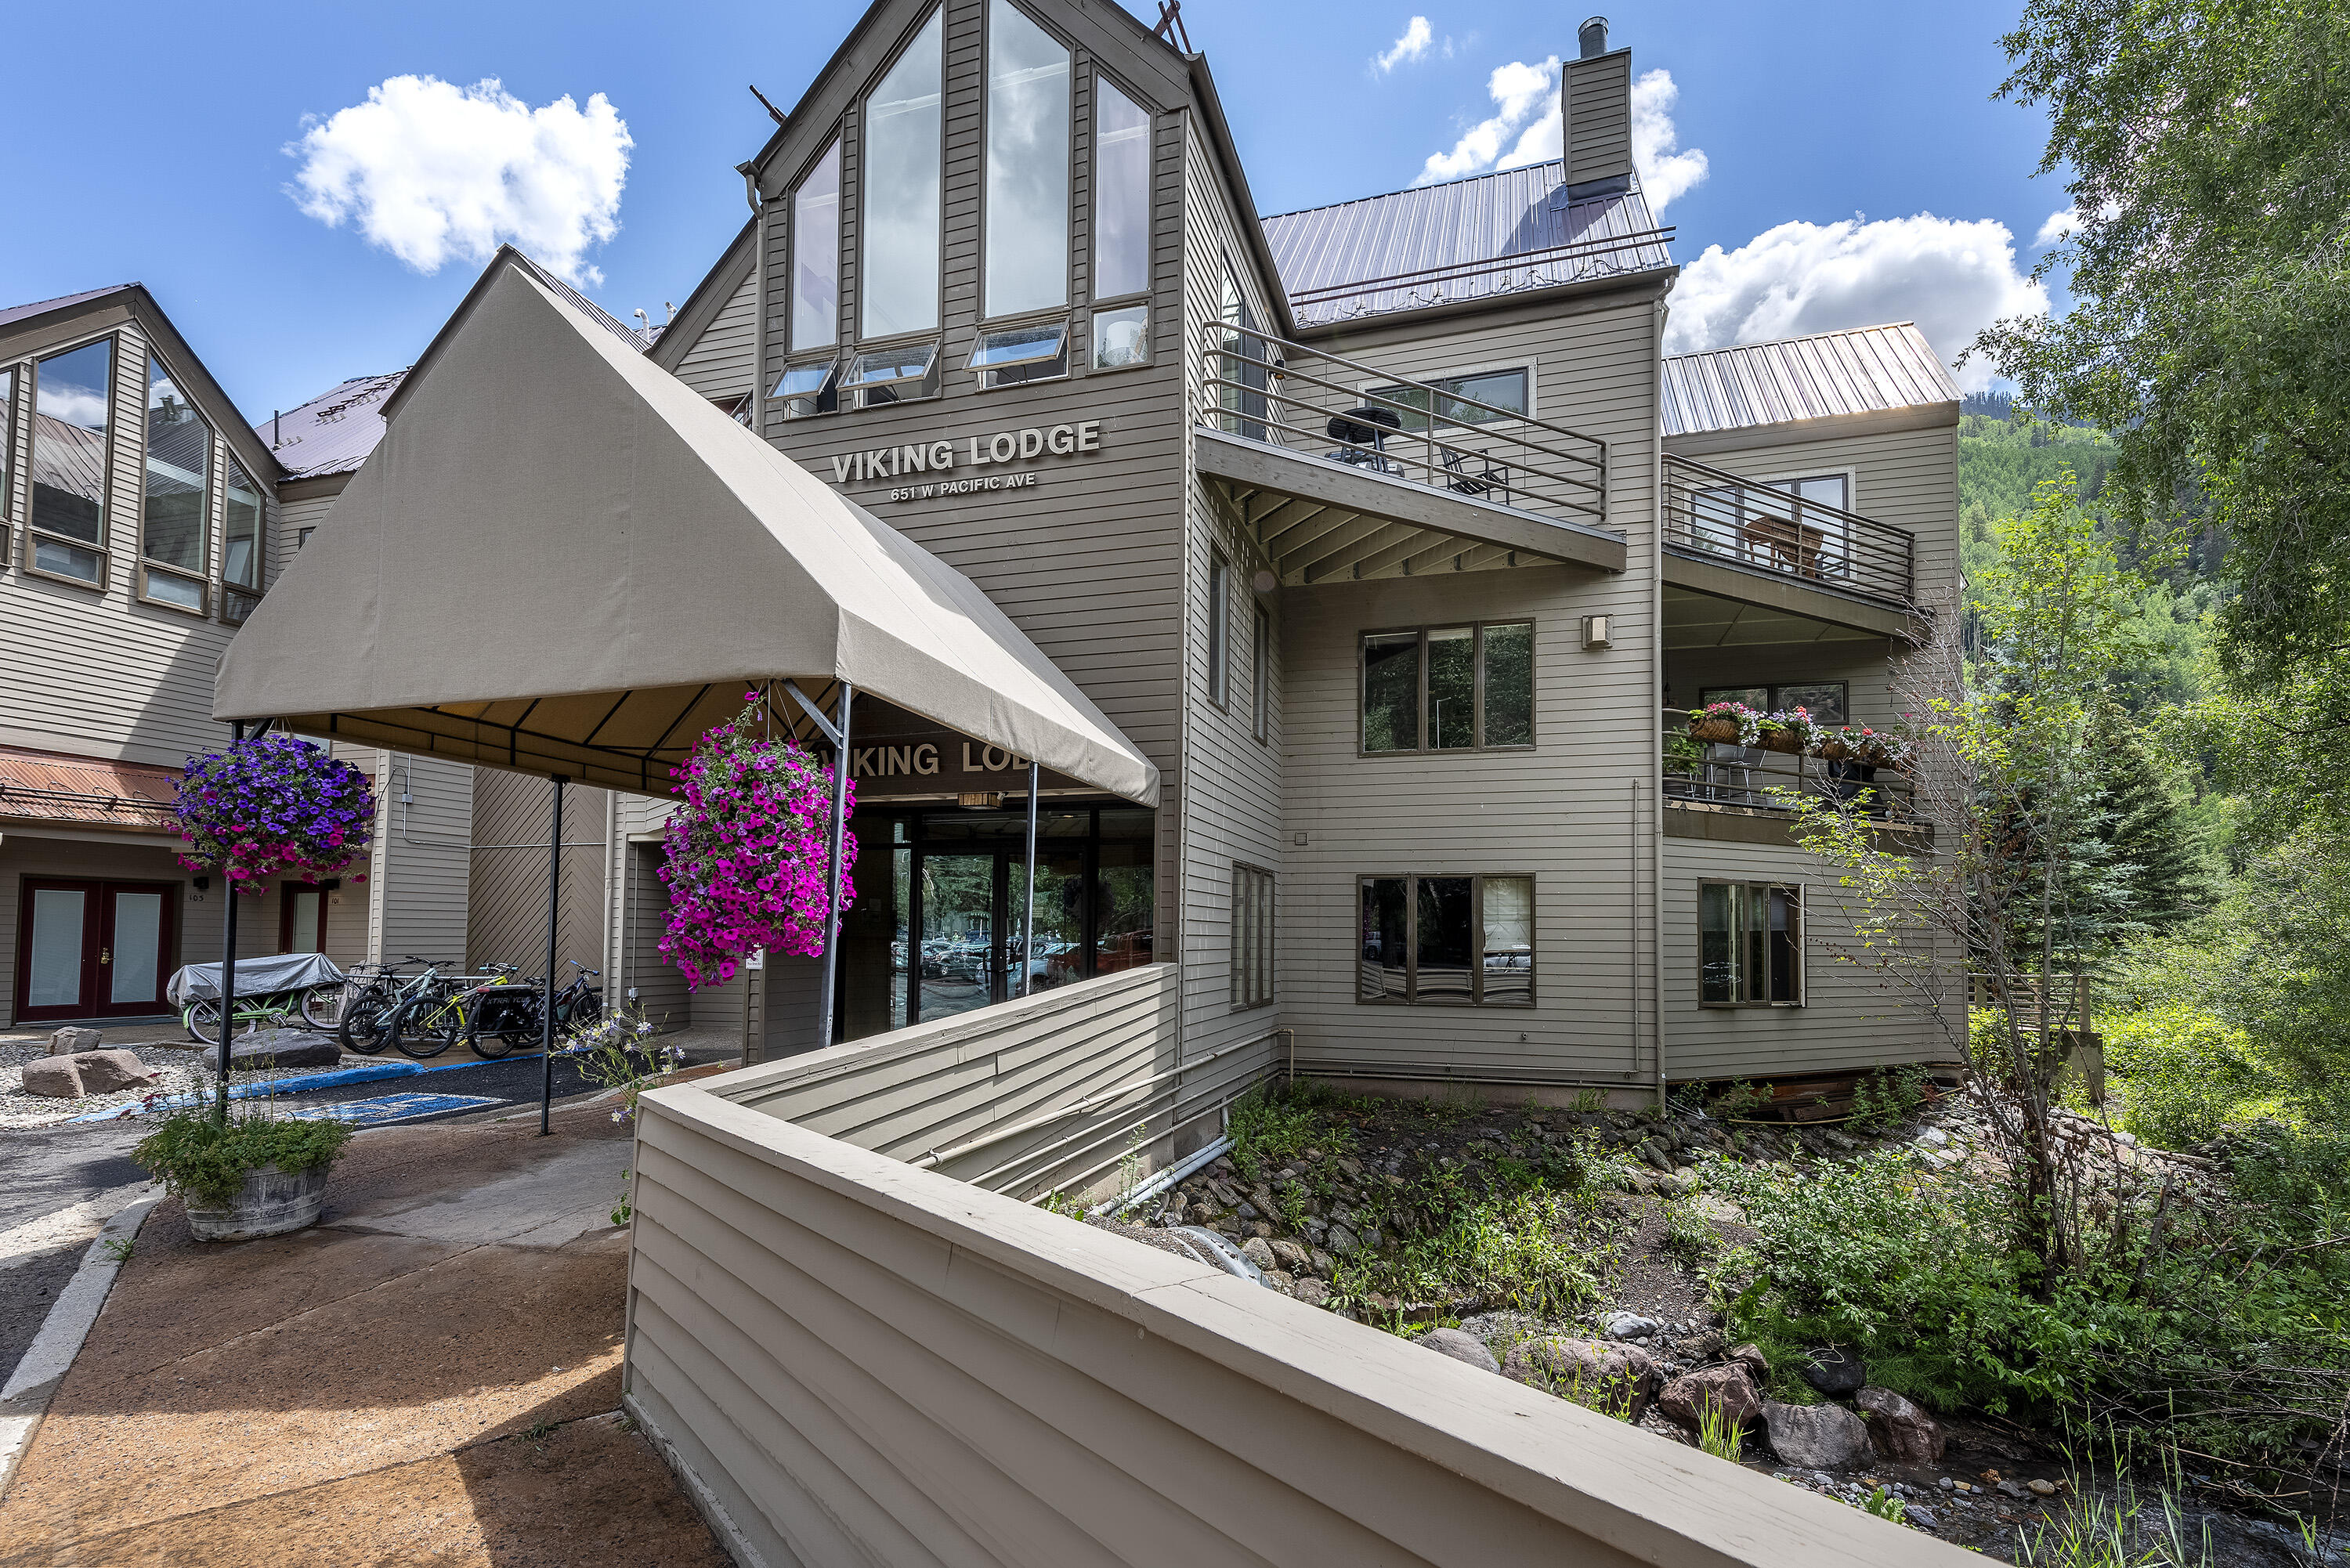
(57, 1179)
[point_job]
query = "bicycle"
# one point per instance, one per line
(495, 1015)
(370, 1000)
(318, 1007)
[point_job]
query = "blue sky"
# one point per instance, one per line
(177, 174)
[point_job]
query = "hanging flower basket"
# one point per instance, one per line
(273, 806)
(746, 850)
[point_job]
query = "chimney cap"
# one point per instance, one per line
(1592, 38)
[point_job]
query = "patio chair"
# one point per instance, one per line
(1489, 482)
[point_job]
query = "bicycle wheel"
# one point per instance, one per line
(365, 1020)
(322, 1007)
(492, 1046)
(203, 1020)
(424, 1026)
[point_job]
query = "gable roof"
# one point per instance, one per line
(1861, 370)
(334, 431)
(1480, 238)
(582, 585)
(102, 309)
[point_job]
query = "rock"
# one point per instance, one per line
(1628, 1326)
(1835, 1369)
(1258, 1253)
(1286, 1283)
(1466, 1348)
(55, 1076)
(1923, 1517)
(1291, 1256)
(1588, 1371)
(1728, 1388)
(1343, 1240)
(283, 1048)
(1324, 1263)
(2041, 1488)
(1312, 1291)
(104, 1072)
(1751, 1355)
(1900, 1430)
(73, 1041)
(1654, 1155)
(1817, 1437)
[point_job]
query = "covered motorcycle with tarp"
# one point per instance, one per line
(271, 990)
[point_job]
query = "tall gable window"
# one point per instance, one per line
(1122, 193)
(176, 509)
(241, 543)
(816, 255)
(1027, 164)
(899, 284)
(7, 455)
(73, 399)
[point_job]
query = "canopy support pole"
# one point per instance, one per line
(546, 1000)
(1028, 905)
(228, 962)
(832, 868)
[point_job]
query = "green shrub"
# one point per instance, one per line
(203, 1160)
(2181, 1074)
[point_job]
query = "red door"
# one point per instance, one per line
(94, 949)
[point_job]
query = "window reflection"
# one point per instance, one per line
(900, 281)
(1027, 164)
(241, 518)
(177, 491)
(73, 396)
(1121, 337)
(1452, 688)
(1122, 193)
(816, 253)
(1444, 939)
(1385, 972)
(1391, 692)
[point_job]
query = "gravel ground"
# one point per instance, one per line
(183, 1066)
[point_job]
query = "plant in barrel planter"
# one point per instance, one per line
(246, 1176)
(746, 850)
(273, 806)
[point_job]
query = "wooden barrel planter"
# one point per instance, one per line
(271, 1203)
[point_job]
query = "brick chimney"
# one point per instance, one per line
(1595, 93)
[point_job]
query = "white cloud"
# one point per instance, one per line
(73, 405)
(1950, 276)
(1520, 93)
(1526, 120)
(432, 172)
(1412, 45)
(1665, 174)
(2063, 225)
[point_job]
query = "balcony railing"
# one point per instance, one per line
(1712, 513)
(1319, 405)
(1712, 776)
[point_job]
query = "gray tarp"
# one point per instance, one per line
(255, 977)
(564, 560)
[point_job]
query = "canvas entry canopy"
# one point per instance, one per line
(565, 561)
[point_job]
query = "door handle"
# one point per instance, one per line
(106, 955)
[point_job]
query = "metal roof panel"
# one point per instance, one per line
(1866, 369)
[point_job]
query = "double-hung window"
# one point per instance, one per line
(1448, 688)
(73, 404)
(1446, 941)
(1253, 927)
(1750, 944)
(175, 508)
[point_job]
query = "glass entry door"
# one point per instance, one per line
(961, 946)
(93, 950)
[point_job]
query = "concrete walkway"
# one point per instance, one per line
(431, 1376)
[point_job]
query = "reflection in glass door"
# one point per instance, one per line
(962, 960)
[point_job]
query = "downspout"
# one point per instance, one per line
(758, 403)
(1655, 769)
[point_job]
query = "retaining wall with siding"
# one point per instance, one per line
(851, 1361)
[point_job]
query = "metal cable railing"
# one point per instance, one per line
(1266, 389)
(1713, 775)
(1547, 267)
(1711, 512)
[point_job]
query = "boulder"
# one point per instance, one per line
(72, 1041)
(104, 1072)
(1311, 1290)
(1343, 1241)
(283, 1048)
(1729, 1388)
(1755, 1362)
(1292, 1256)
(1588, 1371)
(1628, 1326)
(1466, 1348)
(1817, 1437)
(55, 1076)
(1835, 1369)
(1900, 1430)
(1257, 1251)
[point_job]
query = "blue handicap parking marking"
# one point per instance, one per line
(392, 1108)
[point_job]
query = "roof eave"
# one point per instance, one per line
(1650, 281)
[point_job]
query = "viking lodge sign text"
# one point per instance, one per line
(976, 454)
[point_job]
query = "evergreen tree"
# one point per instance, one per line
(2153, 856)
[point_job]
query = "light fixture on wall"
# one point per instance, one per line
(202, 884)
(1264, 582)
(981, 800)
(1595, 631)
